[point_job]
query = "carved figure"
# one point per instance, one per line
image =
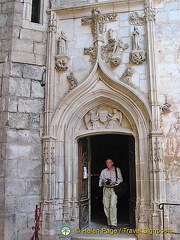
(72, 80)
(111, 38)
(115, 119)
(94, 119)
(135, 39)
(173, 138)
(62, 43)
(117, 53)
(138, 55)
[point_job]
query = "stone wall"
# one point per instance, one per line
(22, 68)
(168, 72)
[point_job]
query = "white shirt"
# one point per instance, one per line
(105, 173)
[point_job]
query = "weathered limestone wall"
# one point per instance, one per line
(22, 64)
(168, 70)
(6, 19)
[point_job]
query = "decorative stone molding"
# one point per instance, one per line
(53, 24)
(136, 19)
(126, 77)
(149, 12)
(112, 52)
(72, 80)
(103, 117)
(138, 55)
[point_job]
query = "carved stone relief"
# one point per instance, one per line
(136, 19)
(97, 22)
(72, 80)
(61, 60)
(112, 52)
(103, 117)
(173, 138)
(126, 77)
(138, 55)
(165, 107)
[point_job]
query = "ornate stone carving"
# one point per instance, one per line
(61, 64)
(103, 117)
(149, 12)
(61, 60)
(92, 52)
(136, 19)
(52, 24)
(62, 44)
(72, 80)
(138, 55)
(97, 22)
(173, 139)
(112, 52)
(126, 77)
(165, 107)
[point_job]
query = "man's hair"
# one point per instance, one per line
(109, 158)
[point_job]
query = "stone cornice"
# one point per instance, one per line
(105, 7)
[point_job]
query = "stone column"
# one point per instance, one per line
(156, 159)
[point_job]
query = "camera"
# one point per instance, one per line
(108, 181)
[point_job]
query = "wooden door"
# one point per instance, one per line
(83, 155)
(132, 182)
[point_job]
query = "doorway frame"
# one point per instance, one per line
(129, 149)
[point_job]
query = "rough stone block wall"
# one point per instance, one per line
(22, 65)
(168, 60)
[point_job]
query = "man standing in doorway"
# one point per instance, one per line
(108, 181)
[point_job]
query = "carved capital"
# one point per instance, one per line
(61, 63)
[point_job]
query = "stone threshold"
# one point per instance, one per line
(101, 232)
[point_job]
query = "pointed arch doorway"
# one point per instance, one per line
(93, 151)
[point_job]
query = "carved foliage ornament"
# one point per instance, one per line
(103, 117)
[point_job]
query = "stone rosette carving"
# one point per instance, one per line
(61, 63)
(72, 80)
(103, 117)
(136, 19)
(137, 55)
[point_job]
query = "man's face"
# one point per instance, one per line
(109, 163)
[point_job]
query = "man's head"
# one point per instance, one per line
(109, 163)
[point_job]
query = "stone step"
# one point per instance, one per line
(100, 232)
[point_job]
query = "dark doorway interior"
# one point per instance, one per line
(117, 147)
